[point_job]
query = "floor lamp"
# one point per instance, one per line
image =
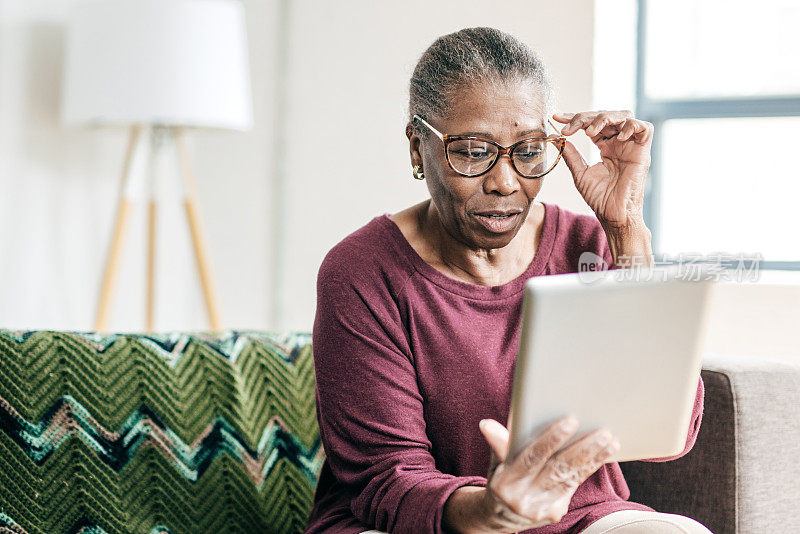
(164, 65)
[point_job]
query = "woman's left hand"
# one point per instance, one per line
(614, 187)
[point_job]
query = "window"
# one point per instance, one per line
(720, 82)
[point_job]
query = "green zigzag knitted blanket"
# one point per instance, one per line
(170, 433)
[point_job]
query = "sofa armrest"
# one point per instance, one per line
(743, 474)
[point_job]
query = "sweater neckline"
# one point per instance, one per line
(475, 291)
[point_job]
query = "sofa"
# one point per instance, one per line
(184, 432)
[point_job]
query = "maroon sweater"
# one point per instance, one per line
(408, 360)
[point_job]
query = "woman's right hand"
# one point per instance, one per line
(535, 487)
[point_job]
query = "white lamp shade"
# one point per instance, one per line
(167, 62)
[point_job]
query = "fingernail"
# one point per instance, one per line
(568, 426)
(611, 449)
(482, 424)
(603, 439)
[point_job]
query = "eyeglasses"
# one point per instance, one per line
(473, 156)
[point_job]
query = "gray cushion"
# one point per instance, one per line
(743, 474)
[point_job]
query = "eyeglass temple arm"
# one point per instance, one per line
(553, 126)
(573, 144)
(434, 130)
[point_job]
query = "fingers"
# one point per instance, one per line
(536, 487)
(563, 117)
(597, 125)
(626, 130)
(574, 464)
(531, 459)
(606, 124)
(638, 131)
(575, 161)
(497, 436)
(576, 122)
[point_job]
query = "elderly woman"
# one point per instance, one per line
(418, 313)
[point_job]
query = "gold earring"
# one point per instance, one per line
(418, 174)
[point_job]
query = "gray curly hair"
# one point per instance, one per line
(466, 57)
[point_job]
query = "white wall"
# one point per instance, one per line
(267, 229)
(758, 318)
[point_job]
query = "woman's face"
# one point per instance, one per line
(504, 113)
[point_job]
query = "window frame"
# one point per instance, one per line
(657, 111)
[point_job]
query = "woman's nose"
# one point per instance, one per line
(502, 179)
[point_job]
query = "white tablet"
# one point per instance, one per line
(620, 350)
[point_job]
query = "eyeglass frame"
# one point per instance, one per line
(559, 140)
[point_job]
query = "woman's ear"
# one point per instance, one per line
(414, 145)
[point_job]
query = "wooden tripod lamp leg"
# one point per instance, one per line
(155, 145)
(151, 263)
(193, 215)
(120, 224)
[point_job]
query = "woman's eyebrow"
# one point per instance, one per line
(538, 131)
(477, 134)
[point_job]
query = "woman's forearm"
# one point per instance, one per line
(465, 511)
(630, 246)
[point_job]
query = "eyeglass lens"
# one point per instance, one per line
(472, 157)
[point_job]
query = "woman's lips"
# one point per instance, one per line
(497, 225)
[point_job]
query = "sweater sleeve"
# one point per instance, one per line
(369, 407)
(694, 425)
